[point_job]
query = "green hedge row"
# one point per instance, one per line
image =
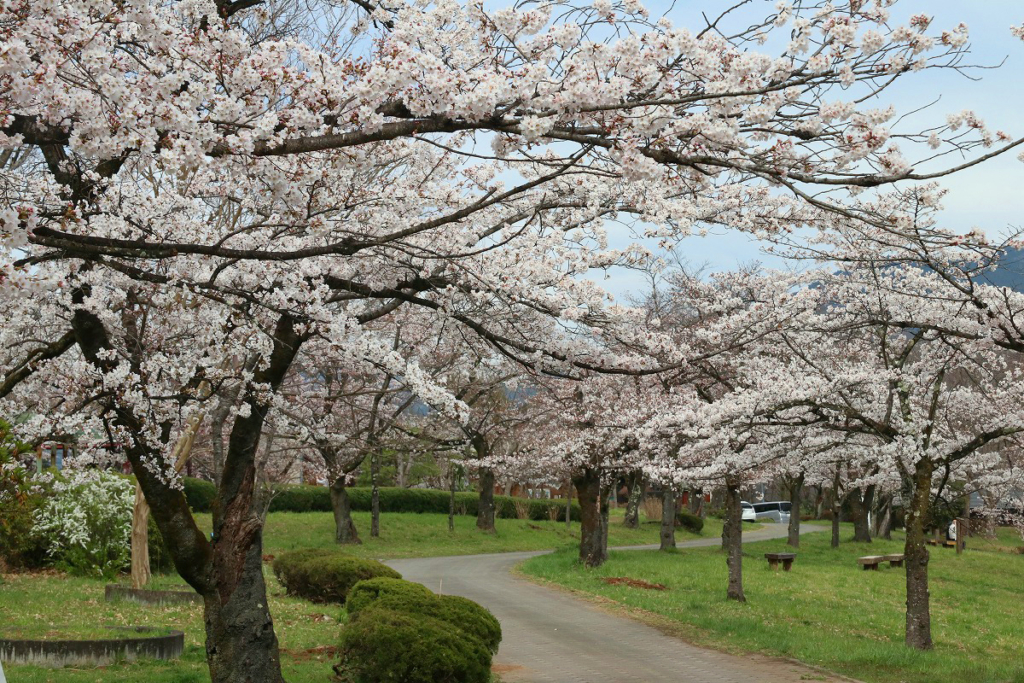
(326, 575)
(305, 498)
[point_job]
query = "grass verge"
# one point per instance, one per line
(827, 612)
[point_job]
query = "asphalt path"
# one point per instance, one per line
(549, 636)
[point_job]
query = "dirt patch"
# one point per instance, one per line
(319, 652)
(505, 668)
(634, 583)
(268, 558)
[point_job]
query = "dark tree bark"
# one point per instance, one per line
(734, 558)
(451, 497)
(635, 483)
(837, 505)
(344, 528)
(883, 517)
(860, 504)
(593, 530)
(668, 518)
(919, 627)
(485, 506)
(795, 500)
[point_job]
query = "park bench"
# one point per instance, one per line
(785, 558)
(895, 560)
(871, 561)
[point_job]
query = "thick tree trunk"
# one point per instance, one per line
(859, 506)
(734, 559)
(635, 481)
(919, 627)
(593, 532)
(485, 508)
(344, 528)
(883, 519)
(241, 646)
(668, 518)
(140, 540)
(795, 500)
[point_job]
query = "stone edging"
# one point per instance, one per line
(59, 653)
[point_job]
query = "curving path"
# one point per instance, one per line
(552, 637)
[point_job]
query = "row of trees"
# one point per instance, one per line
(281, 218)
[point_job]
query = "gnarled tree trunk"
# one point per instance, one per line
(919, 626)
(635, 482)
(344, 528)
(796, 487)
(734, 540)
(668, 518)
(593, 529)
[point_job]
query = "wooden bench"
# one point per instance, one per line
(871, 561)
(785, 558)
(895, 560)
(933, 541)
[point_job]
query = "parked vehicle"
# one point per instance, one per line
(773, 511)
(748, 511)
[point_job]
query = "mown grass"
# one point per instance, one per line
(828, 611)
(53, 601)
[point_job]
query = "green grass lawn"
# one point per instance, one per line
(52, 601)
(828, 611)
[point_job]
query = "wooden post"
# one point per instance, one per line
(961, 535)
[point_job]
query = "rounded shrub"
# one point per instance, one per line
(324, 575)
(689, 521)
(368, 592)
(385, 646)
(406, 597)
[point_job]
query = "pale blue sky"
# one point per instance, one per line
(989, 196)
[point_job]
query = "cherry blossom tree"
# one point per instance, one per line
(292, 186)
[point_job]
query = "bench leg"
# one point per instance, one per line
(896, 563)
(774, 564)
(786, 564)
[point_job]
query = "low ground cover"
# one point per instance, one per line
(827, 611)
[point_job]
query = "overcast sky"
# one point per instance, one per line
(989, 196)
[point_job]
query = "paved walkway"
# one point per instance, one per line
(551, 637)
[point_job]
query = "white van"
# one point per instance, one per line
(775, 511)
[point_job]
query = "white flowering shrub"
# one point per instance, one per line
(86, 523)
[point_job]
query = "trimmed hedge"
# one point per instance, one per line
(367, 592)
(305, 498)
(321, 575)
(689, 521)
(412, 598)
(385, 646)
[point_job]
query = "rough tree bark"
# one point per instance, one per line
(919, 627)
(140, 540)
(837, 505)
(485, 507)
(860, 504)
(796, 487)
(734, 557)
(635, 482)
(593, 530)
(344, 528)
(668, 518)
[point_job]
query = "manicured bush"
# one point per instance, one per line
(325, 575)
(200, 494)
(367, 592)
(689, 521)
(385, 646)
(412, 598)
